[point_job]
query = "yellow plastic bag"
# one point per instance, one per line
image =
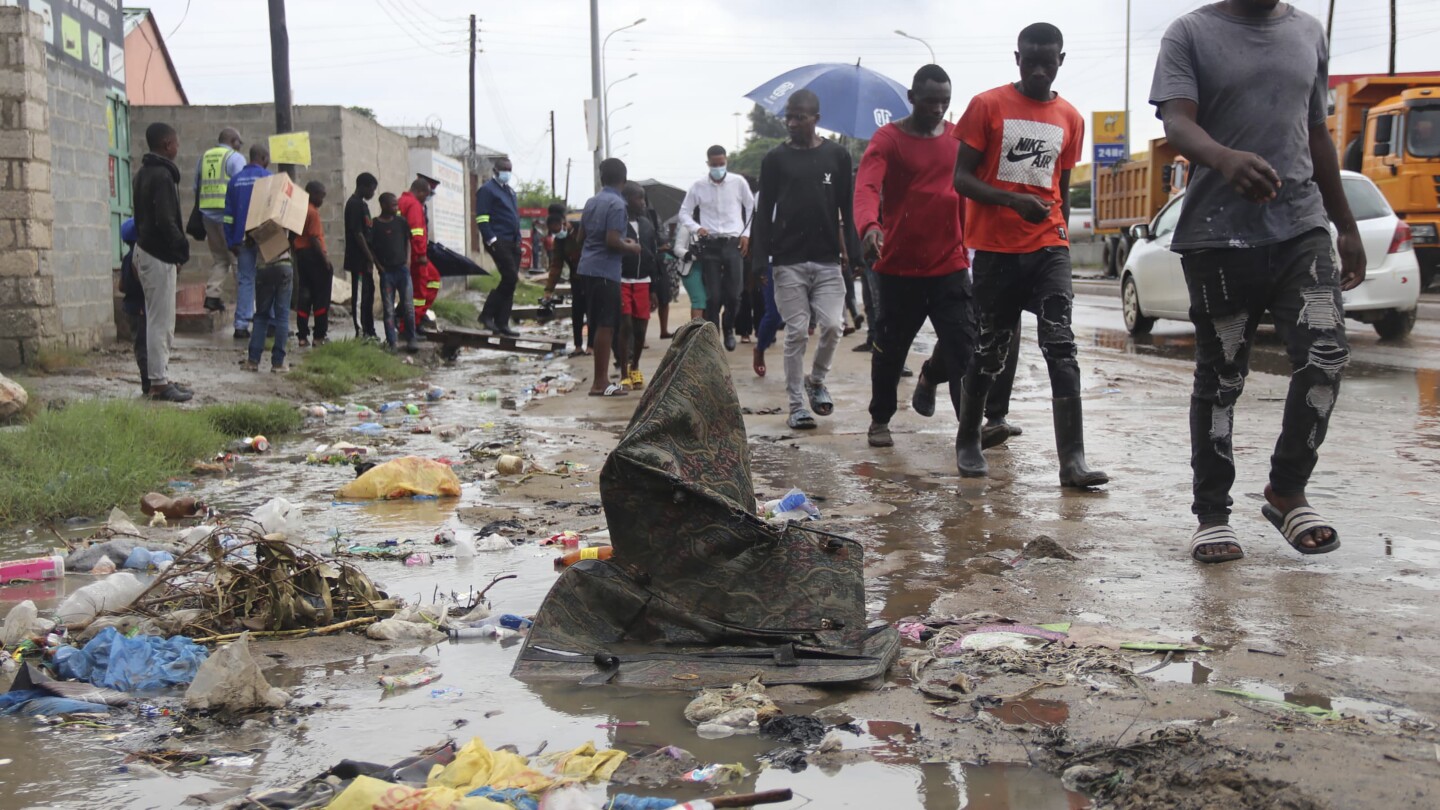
(402, 478)
(585, 764)
(367, 793)
(477, 766)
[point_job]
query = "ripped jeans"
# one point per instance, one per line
(1298, 282)
(1007, 284)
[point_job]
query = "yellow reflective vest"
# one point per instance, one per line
(214, 178)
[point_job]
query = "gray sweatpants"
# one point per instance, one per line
(801, 289)
(157, 279)
(222, 261)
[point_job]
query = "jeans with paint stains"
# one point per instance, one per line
(1298, 283)
(1007, 284)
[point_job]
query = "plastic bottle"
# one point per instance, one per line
(435, 393)
(596, 553)
(392, 405)
(484, 631)
(488, 395)
(793, 500)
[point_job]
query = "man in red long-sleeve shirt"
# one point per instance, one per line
(424, 278)
(912, 225)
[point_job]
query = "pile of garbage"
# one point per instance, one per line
(476, 777)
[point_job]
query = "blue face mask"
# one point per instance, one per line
(503, 177)
(717, 173)
(562, 233)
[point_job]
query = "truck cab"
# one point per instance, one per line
(1388, 128)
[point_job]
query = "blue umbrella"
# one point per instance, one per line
(854, 101)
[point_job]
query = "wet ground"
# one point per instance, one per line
(1353, 631)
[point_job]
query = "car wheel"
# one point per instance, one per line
(1135, 321)
(1396, 324)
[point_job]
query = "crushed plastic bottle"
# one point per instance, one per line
(419, 677)
(435, 394)
(488, 395)
(483, 631)
(390, 406)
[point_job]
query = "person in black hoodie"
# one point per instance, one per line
(160, 249)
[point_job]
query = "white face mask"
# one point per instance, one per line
(717, 173)
(503, 177)
(561, 234)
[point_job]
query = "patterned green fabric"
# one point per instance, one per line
(695, 570)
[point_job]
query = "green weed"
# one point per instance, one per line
(341, 366)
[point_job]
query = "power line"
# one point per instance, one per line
(182, 20)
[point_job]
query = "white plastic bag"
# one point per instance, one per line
(279, 518)
(18, 623)
(494, 542)
(230, 678)
(111, 593)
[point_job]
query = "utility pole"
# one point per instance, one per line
(1392, 37)
(280, 73)
(1128, 124)
(1329, 28)
(552, 153)
(472, 92)
(737, 131)
(568, 161)
(595, 89)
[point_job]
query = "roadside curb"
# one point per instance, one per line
(1429, 309)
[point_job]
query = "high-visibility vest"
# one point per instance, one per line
(214, 178)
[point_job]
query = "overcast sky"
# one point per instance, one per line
(696, 59)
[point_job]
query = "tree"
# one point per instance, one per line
(765, 125)
(747, 160)
(534, 194)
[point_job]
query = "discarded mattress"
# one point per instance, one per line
(701, 591)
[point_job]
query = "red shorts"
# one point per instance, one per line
(635, 299)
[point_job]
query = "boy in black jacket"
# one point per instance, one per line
(160, 249)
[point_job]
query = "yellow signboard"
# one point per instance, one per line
(1108, 127)
(290, 147)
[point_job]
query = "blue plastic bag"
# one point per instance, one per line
(143, 663)
(31, 702)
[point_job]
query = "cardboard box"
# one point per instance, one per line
(277, 209)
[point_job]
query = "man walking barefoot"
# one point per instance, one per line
(1018, 144)
(920, 262)
(806, 188)
(1253, 238)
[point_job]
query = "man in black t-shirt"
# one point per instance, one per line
(390, 248)
(806, 189)
(358, 259)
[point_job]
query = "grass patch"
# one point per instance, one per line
(254, 418)
(526, 293)
(55, 359)
(96, 454)
(341, 366)
(456, 311)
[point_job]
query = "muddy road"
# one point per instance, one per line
(1354, 631)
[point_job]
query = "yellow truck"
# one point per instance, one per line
(1388, 128)
(1132, 193)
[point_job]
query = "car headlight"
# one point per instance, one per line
(1424, 232)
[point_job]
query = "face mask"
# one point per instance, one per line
(717, 173)
(562, 234)
(503, 177)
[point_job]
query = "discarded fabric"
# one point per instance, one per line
(142, 663)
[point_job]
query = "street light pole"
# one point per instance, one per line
(594, 90)
(1128, 124)
(606, 104)
(604, 108)
(921, 41)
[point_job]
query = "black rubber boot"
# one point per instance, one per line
(1070, 445)
(968, 456)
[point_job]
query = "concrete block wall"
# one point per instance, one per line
(81, 256)
(342, 144)
(29, 319)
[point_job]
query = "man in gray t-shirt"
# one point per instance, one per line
(1241, 87)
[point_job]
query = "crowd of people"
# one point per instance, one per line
(963, 225)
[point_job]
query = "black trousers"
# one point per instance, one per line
(867, 297)
(752, 306)
(997, 399)
(314, 299)
(1298, 283)
(362, 301)
(724, 279)
(501, 300)
(142, 346)
(1007, 284)
(901, 306)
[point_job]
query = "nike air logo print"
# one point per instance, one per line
(1030, 152)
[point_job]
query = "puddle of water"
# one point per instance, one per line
(1347, 706)
(1192, 672)
(1032, 712)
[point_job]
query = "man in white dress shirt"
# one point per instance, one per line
(717, 211)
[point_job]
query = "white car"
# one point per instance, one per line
(1152, 285)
